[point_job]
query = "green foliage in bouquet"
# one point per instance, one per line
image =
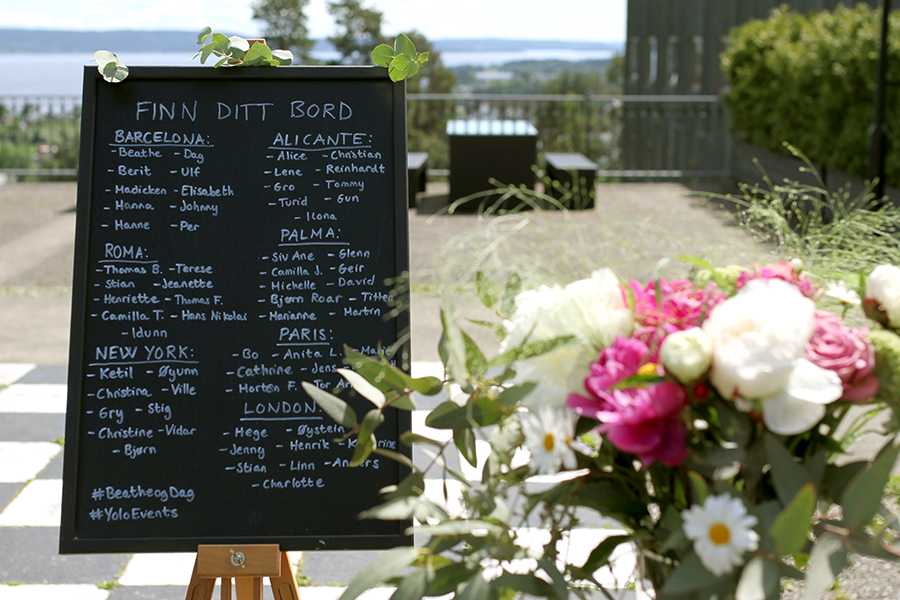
(235, 51)
(809, 79)
(707, 421)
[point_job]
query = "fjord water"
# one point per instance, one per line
(59, 74)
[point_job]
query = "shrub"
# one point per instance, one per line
(809, 80)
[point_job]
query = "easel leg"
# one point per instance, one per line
(284, 587)
(248, 588)
(201, 588)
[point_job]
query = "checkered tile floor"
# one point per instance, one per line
(32, 424)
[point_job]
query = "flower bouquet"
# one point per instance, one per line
(705, 422)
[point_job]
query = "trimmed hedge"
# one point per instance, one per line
(809, 80)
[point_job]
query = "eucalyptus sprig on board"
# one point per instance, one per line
(109, 65)
(402, 60)
(235, 51)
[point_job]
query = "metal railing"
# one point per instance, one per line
(628, 136)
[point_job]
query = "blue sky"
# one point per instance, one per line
(581, 20)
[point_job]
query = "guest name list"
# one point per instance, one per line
(236, 241)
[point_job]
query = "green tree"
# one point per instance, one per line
(359, 31)
(286, 26)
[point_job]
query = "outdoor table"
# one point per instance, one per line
(575, 172)
(504, 150)
(417, 174)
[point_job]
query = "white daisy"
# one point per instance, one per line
(721, 531)
(840, 291)
(548, 435)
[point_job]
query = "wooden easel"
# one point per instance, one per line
(247, 564)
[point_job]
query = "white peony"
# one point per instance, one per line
(883, 287)
(592, 310)
(687, 354)
(759, 338)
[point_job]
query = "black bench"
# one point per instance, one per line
(572, 178)
(417, 174)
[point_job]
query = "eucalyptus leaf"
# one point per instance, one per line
(411, 485)
(258, 49)
(690, 576)
(333, 406)
(787, 475)
(407, 507)
(205, 52)
(476, 363)
(828, 558)
(380, 569)
(699, 488)
(220, 41)
(759, 581)
(525, 583)
(409, 438)
(461, 527)
(862, 498)
(515, 394)
(530, 350)
(370, 423)
(382, 55)
(396, 509)
(599, 556)
(110, 67)
(415, 585)
(239, 43)
(488, 291)
(395, 456)
(403, 46)
(454, 348)
(387, 377)
(508, 299)
(476, 588)
(449, 577)
(791, 529)
(363, 387)
(559, 587)
(284, 57)
(464, 438)
(203, 34)
(102, 57)
(364, 447)
(449, 415)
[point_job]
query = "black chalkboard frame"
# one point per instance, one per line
(71, 539)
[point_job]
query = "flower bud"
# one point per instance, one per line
(882, 301)
(687, 354)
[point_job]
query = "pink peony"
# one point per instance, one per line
(780, 270)
(684, 305)
(617, 362)
(846, 351)
(642, 420)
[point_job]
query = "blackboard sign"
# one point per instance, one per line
(235, 229)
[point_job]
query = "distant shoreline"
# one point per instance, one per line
(31, 41)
